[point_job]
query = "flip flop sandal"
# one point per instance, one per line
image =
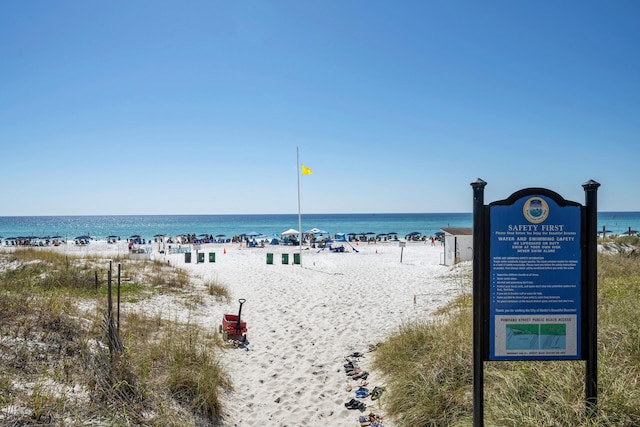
(350, 364)
(355, 372)
(349, 367)
(355, 404)
(360, 375)
(351, 404)
(374, 417)
(377, 391)
(362, 392)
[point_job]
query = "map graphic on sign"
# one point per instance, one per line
(536, 336)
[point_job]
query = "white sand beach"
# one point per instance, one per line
(304, 320)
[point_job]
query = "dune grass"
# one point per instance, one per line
(428, 366)
(55, 365)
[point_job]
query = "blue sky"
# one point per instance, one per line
(170, 107)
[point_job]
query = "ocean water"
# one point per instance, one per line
(147, 226)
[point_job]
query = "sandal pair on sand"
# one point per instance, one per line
(362, 392)
(371, 420)
(361, 375)
(355, 404)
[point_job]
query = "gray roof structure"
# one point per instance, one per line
(458, 231)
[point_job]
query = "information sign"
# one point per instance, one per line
(535, 280)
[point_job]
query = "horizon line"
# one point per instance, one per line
(257, 214)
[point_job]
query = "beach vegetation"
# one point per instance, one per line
(428, 366)
(218, 289)
(64, 360)
(163, 275)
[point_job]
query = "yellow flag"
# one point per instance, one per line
(306, 170)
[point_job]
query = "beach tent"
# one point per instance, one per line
(289, 236)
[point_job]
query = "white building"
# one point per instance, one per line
(458, 245)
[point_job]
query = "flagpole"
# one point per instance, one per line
(299, 214)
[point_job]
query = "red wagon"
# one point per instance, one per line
(232, 325)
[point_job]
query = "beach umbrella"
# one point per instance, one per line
(630, 232)
(85, 237)
(254, 234)
(413, 235)
(315, 230)
(289, 232)
(158, 235)
(439, 233)
(392, 232)
(381, 234)
(221, 235)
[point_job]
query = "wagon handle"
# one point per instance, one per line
(238, 326)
